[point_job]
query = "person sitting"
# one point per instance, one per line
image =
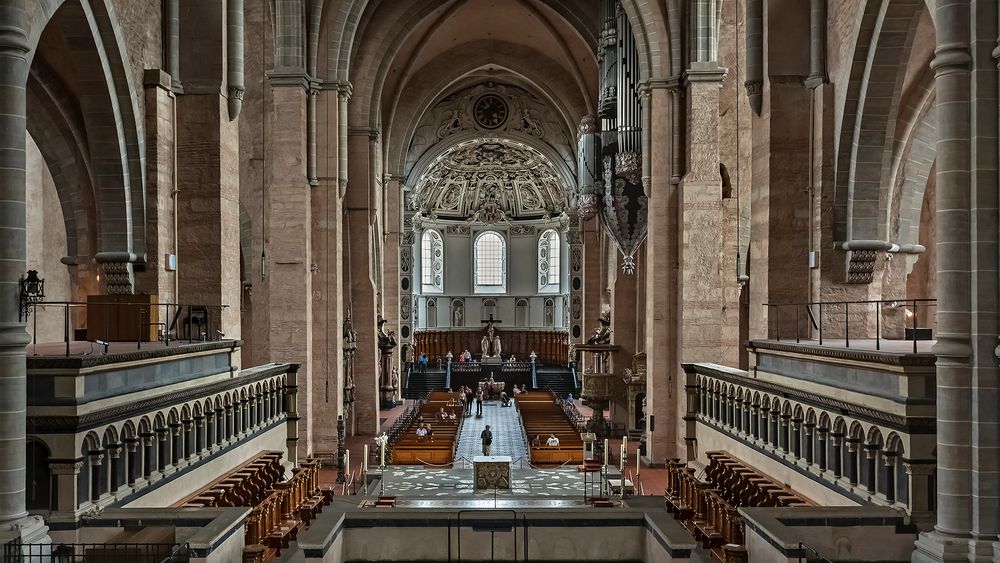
(569, 398)
(421, 432)
(461, 358)
(441, 414)
(451, 415)
(467, 356)
(552, 441)
(512, 359)
(536, 441)
(517, 390)
(504, 399)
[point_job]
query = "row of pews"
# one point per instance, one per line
(246, 485)
(438, 447)
(542, 415)
(292, 505)
(709, 508)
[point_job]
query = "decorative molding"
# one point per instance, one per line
(490, 180)
(526, 114)
(871, 356)
(523, 231)
(86, 362)
(458, 230)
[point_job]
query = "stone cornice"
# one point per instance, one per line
(72, 424)
(85, 362)
(911, 425)
(871, 356)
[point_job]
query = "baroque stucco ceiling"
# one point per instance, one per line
(491, 180)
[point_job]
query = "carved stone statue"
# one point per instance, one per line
(602, 334)
(386, 343)
(456, 319)
(386, 340)
(497, 348)
(394, 382)
(485, 343)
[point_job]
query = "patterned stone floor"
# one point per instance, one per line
(411, 481)
(508, 434)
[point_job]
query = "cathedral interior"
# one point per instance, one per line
(550, 280)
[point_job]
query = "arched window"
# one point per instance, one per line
(490, 262)
(432, 261)
(548, 261)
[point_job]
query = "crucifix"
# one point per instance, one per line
(491, 341)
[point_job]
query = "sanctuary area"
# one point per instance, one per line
(506, 280)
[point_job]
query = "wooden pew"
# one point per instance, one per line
(709, 509)
(245, 485)
(543, 416)
(438, 448)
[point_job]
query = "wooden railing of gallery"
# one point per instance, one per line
(709, 508)
(550, 346)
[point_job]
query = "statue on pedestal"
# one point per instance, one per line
(602, 334)
(386, 343)
(491, 340)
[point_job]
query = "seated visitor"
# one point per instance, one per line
(467, 356)
(569, 398)
(451, 415)
(517, 390)
(421, 431)
(441, 414)
(512, 359)
(536, 441)
(504, 399)
(552, 441)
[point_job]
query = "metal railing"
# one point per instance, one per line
(913, 310)
(17, 552)
(193, 323)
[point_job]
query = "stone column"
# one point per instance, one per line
(822, 445)
(784, 434)
(13, 337)
(919, 477)
(871, 454)
(114, 453)
(95, 459)
(199, 434)
(132, 470)
(209, 431)
(889, 462)
(147, 455)
(775, 435)
(392, 212)
(809, 443)
(162, 454)
(950, 540)
(836, 439)
(852, 450)
(176, 445)
(189, 439)
(66, 473)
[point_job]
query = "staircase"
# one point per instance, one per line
(418, 384)
(559, 380)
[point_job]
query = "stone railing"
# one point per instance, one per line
(102, 448)
(862, 453)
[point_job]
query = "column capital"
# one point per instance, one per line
(66, 466)
(95, 458)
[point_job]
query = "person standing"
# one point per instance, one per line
(487, 437)
(479, 402)
(468, 401)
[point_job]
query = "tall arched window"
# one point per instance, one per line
(548, 261)
(432, 261)
(490, 263)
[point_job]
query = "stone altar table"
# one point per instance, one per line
(491, 472)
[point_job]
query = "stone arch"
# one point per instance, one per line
(115, 142)
(883, 38)
(39, 492)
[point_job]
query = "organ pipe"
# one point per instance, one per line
(817, 43)
(588, 167)
(607, 58)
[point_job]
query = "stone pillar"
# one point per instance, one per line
(176, 445)
(95, 459)
(663, 384)
(189, 439)
(290, 272)
(13, 337)
(836, 439)
(584, 314)
(66, 473)
(392, 212)
(147, 455)
(359, 205)
(114, 453)
(162, 454)
(889, 463)
(852, 469)
(328, 291)
(958, 355)
(775, 435)
(784, 433)
(821, 454)
(171, 41)
(623, 324)
(209, 431)
(132, 470)
(809, 443)
(871, 453)
(919, 477)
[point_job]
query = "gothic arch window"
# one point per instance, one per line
(432, 260)
(490, 263)
(549, 261)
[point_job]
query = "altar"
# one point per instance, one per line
(491, 472)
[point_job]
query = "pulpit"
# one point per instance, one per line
(491, 471)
